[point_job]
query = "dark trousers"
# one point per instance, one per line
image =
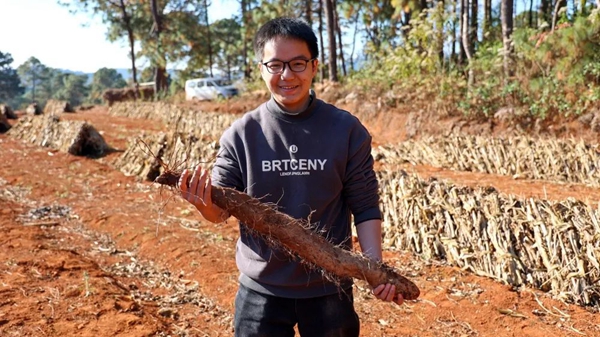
(260, 315)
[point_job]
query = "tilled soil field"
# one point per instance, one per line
(88, 251)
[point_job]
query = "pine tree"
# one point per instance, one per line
(10, 83)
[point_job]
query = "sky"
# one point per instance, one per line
(62, 40)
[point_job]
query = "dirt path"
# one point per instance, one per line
(90, 252)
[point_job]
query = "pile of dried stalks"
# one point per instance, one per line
(552, 246)
(144, 155)
(563, 160)
(204, 124)
(7, 112)
(75, 137)
(54, 106)
(4, 124)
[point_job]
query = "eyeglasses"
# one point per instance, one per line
(278, 67)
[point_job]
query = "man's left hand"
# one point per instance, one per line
(387, 292)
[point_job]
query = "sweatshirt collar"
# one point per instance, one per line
(278, 112)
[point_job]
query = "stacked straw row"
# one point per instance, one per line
(149, 155)
(54, 106)
(553, 246)
(75, 137)
(562, 160)
(204, 124)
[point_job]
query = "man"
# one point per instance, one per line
(313, 161)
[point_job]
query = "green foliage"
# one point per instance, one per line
(104, 79)
(147, 75)
(591, 72)
(558, 69)
(381, 21)
(43, 83)
(71, 88)
(487, 97)
(555, 72)
(33, 73)
(416, 63)
(228, 38)
(10, 83)
(522, 19)
(51, 82)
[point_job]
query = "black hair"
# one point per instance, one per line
(286, 27)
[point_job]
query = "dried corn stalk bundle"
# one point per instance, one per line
(204, 124)
(158, 111)
(136, 161)
(176, 148)
(552, 246)
(75, 137)
(54, 106)
(7, 112)
(563, 160)
(135, 110)
(4, 124)
(188, 150)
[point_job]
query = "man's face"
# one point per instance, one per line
(290, 89)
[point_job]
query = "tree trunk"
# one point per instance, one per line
(131, 37)
(473, 26)
(160, 71)
(465, 35)
(228, 67)
(506, 18)
(34, 80)
(244, 38)
(354, 40)
(333, 75)
(405, 21)
(208, 39)
(487, 18)
(559, 4)
(453, 55)
(530, 15)
(336, 19)
(308, 11)
(440, 33)
(545, 11)
(462, 56)
(322, 45)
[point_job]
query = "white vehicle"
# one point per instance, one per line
(209, 88)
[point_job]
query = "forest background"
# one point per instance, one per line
(536, 58)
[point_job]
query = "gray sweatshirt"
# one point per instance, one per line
(316, 165)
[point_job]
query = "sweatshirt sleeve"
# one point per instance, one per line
(361, 188)
(227, 169)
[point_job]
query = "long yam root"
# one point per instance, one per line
(306, 244)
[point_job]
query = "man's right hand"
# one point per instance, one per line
(195, 187)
